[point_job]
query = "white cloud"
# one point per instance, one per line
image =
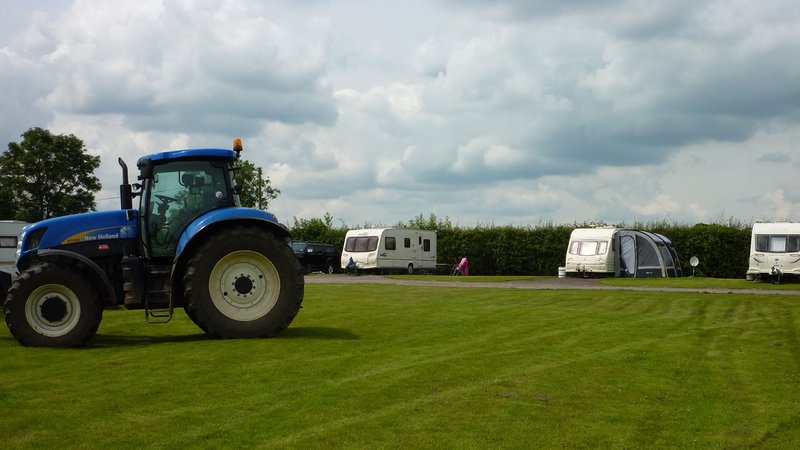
(777, 208)
(505, 112)
(660, 206)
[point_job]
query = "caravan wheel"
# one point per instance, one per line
(410, 269)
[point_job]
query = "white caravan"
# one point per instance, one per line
(9, 235)
(774, 249)
(590, 251)
(390, 249)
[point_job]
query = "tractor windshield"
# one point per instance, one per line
(178, 193)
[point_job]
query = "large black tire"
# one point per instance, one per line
(52, 306)
(243, 283)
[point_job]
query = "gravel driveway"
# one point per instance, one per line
(544, 283)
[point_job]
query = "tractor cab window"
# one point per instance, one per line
(179, 192)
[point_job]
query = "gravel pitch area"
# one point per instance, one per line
(544, 283)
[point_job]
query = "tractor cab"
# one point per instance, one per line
(178, 189)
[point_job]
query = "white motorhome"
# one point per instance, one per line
(390, 249)
(774, 249)
(9, 235)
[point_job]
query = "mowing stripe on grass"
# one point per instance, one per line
(427, 367)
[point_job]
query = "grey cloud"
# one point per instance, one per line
(23, 85)
(517, 10)
(792, 194)
(183, 79)
(775, 157)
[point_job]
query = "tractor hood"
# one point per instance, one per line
(78, 228)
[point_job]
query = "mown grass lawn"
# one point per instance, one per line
(385, 366)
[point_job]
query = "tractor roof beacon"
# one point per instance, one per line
(189, 244)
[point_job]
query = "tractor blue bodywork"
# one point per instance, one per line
(115, 244)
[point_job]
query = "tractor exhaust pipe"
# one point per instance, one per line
(125, 193)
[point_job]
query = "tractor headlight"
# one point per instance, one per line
(33, 239)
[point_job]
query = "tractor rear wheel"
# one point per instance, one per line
(51, 305)
(243, 282)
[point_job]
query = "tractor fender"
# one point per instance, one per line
(227, 216)
(95, 270)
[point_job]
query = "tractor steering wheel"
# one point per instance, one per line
(164, 199)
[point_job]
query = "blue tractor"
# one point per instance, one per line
(190, 244)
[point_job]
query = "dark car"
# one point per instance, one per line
(316, 256)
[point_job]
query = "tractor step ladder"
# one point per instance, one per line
(159, 313)
(161, 310)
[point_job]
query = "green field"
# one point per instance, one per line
(385, 366)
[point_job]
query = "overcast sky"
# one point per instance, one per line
(515, 112)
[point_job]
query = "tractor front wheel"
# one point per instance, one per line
(52, 306)
(243, 282)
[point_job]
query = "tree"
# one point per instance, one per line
(319, 229)
(7, 207)
(47, 175)
(257, 191)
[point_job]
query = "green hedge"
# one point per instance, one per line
(723, 249)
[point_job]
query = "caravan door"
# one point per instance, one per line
(648, 258)
(627, 255)
(416, 246)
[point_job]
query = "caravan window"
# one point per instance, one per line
(407, 242)
(588, 248)
(390, 243)
(777, 243)
(426, 245)
(8, 242)
(361, 244)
